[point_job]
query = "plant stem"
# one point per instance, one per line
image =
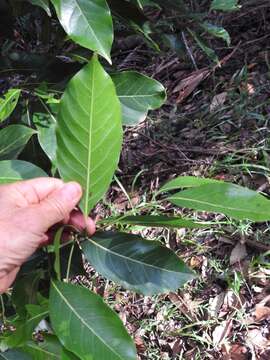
(3, 308)
(69, 261)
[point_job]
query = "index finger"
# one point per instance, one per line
(79, 222)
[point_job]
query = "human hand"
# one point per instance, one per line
(28, 209)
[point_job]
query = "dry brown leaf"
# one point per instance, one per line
(261, 312)
(231, 302)
(221, 332)
(234, 352)
(238, 253)
(260, 278)
(189, 84)
(218, 100)
(135, 199)
(249, 88)
(139, 344)
(238, 352)
(255, 338)
(195, 262)
(215, 304)
(177, 347)
(123, 316)
(186, 306)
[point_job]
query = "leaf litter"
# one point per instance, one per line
(212, 125)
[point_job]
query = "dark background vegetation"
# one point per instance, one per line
(215, 123)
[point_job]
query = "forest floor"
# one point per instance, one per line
(215, 124)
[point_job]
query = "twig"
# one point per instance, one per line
(189, 50)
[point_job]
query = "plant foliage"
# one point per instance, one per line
(79, 137)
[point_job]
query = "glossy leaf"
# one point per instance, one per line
(87, 326)
(14, 355)
(141, 265)
(224, 5)
(14, 170)
(8, 103)
(229, 199)
(89, 132)
(13, 139)
(217, 31)
(186, 182)
(44, 4)
(155, 221)
(46, 126)
(49, 349)
(88, 23)
(138, 94)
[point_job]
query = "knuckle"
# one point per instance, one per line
(57, 207)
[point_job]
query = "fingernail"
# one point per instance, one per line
(72, 190)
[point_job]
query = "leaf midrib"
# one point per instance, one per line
(89, 158)
(8, 99)
(90, 27)
(18, 139)
(137, 96)
(37, 316)
(81, 319)
(38, 348)
(213, 205)
(3, 356)
(131, 259)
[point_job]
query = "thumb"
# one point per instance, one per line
(57, 206)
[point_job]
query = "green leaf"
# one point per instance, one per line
(8, 103)
(25, 326)
(46, 126)
(229, 199)
(14, 355)
(71, 259)
(88, 23)
(89, 132)
(67, 355)
(14, 170)
(44, 4)
(207, 50)
(155, 221)
(13, 139)
(25, 291)
(49, 349)
(224, 5)
(87, 326)
(137, 94)
(186, 181)
(141, 265)
(217, 31)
